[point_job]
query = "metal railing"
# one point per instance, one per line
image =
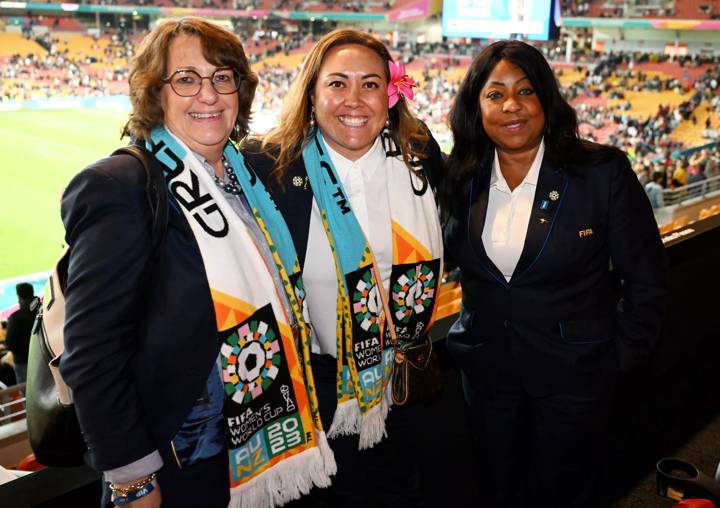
(697, 191)
(12, 404)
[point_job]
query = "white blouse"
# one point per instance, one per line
(508, 215)
(365, 184)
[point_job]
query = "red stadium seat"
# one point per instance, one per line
(29, 463)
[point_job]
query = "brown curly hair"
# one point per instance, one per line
(148, 68)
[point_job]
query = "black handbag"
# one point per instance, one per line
(52, 425)
(416, 375)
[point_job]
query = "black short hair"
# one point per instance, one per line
(25, 291)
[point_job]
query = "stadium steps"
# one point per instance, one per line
(645, 103)
(291, 61)
(15, 43)
(569, 75)
(692, 133)
(673, 70)
(80, 45)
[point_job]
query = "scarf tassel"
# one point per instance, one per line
(372, 427)
(348, 421)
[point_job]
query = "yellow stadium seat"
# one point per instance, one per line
(680, 222)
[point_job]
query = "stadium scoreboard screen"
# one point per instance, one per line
(537, 20)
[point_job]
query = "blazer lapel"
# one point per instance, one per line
(477, 213)
(549, 196)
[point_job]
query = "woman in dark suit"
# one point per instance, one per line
(563, 277)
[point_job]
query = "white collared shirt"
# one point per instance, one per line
(508, 215)
(365, 184)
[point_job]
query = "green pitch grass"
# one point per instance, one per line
(41, 151)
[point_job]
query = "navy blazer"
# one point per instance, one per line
(140, 332)
(564, 320)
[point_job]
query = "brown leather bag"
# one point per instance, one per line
(416, 375)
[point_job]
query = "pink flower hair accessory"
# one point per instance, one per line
(401, 85)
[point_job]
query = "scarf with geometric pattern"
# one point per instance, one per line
(365, 357)
(276, 444)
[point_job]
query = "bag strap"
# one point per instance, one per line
(155, 190)
(391, 325)
(386, 307)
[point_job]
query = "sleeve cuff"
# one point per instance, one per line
(141, 467)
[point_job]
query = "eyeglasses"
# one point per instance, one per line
(188, 83)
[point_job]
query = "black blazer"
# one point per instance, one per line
(140, 331)
(565, 319)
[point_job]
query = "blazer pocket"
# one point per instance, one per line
(466, 351)
(587, 331)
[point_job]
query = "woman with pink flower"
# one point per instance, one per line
(352, 172)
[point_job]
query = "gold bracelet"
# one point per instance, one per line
(125, 491)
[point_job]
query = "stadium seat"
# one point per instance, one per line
(680, 222)
(665, 228)
(694, 503)
(30, 463)
(14, 43)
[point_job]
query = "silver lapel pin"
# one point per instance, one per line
(554, 195)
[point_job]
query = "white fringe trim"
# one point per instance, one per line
(328, 456)
(372, 426)
(285, 481)
(349, 421)
(346, 420)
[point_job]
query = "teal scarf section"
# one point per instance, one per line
(331, 200)
(364, 364)
(264, 209)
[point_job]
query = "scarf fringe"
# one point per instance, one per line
(286, 481)
(329, 464)
(346, 421)
(372, 426)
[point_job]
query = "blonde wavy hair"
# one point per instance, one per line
(148, 68)
(285, 142)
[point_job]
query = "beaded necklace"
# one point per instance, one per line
(232, 186)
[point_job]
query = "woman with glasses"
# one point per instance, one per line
(180, 335)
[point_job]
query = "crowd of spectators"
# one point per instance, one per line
(60, 74)
(647, 140)
(575, 8)
(618, 8)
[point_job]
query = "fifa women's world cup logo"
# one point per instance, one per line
(366, 303)
(413, 292)
(251, 357)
